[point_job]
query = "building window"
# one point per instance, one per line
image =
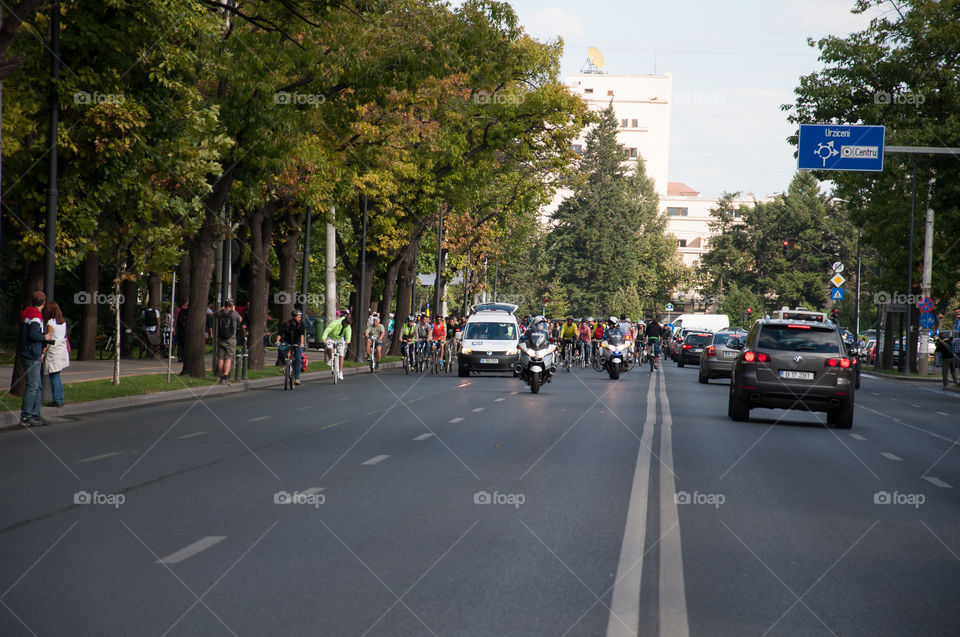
(588, 91)
(623, 123)
(609, 93)
(578, 148)
(634, 122)
(677, 212)
(633, 152)
(681, 243)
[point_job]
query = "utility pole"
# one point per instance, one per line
(330, 265)
(50, 239)
(925, 280)
(856, 332)
(905, 342)
(363, 303)
(305, 282)
(436, 282)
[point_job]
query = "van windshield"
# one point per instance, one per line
(491, 331)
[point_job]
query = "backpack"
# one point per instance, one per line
(150, 318)
(226, 326)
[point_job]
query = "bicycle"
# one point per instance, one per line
(652, 355)
(450, 355)
(436, 363)
(106, 346)
(421, 361)
(373, 356)
(339, 346)
(409, 352)
(567, 356)
(289, 375)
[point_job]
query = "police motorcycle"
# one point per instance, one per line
(615, 352)
(538, 356)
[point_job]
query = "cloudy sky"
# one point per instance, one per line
(733, 64)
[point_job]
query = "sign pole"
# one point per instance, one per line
(927, 267)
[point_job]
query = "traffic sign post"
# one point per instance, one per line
(837, 267)
(836, 294)
(837, 280)
(841, 147)
(668, 307)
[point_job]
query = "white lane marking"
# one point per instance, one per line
(257, 418)
(193, 435)
(305, 408)
(462, 385)
(456, 420)
(189, 551)
(875, 393)
(857, 437)
(624, 617)
(375, 460)
(937, 482)
(423, 436)
(915, 406)
(499, 400)
(906, 424)
(102, 456)
(890, 456)
(943, 413)
(340, 400)
(672, 598)
(478, 410)
(514, 393)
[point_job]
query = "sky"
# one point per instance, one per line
(733, 63)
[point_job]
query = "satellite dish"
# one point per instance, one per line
(596, 57)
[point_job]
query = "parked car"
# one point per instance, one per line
(793, 364)
(717, 357)
(694, 342)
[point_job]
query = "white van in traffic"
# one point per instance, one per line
(489, 340)
(706, 322)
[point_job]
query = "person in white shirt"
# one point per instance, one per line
(56, 357)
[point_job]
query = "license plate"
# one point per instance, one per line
(729, 354)
(492, 361)
(697, 350)
(793, 375)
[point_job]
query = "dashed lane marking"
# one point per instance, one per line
(456, 420)
(191, 550)
(890, 456)
(478, 410)
(258, 418)
(375, 460)
(937, 482)
(305, 408)
(102, 456)
(499, 400)
(462, 385)
(943, 413)
(857, 437)
(193, 435)
(423, 436)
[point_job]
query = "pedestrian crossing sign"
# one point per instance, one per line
(836, 294)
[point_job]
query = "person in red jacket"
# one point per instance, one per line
(30, 349)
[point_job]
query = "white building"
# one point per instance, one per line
(642, 107)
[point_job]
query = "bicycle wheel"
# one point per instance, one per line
(336, 368)
(286, 374)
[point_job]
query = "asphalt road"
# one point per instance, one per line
(447, 506)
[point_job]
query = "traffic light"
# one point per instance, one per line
(786, 244)
(833, 314)
(749, 313)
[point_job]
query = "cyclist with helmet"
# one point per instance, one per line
(292, 334)
(567, 336)
(439, 334)
(337, 330)
(654, 333)
(408, 334)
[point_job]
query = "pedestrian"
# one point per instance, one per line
(209, 324)
(151, 330)
(56, 356)
(180, 328)
(30, 349)
(228, 324)
(948, 359)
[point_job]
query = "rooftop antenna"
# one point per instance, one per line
(594, 63)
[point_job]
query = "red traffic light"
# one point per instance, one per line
(749, 311)
(785, 243)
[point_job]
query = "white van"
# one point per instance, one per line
(489, 339)
(707, 322)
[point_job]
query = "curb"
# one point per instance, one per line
(925, 381)
(10, 420)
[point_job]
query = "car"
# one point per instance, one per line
(694, 342)
(672, 346)
(489, 340)
(793, 363)
(717, 357)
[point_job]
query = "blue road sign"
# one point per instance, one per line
(925, 304)
(836, 294)
(928, 320)
(668, 307)
(956, 326)
(825, 147)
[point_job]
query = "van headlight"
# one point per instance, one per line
(467, 350)
(512, 352)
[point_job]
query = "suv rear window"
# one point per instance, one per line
(798, 338)
(489, 331)
(697, 339)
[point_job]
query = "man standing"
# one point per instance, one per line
(30, 348)
(948, 359)
(228, 324)
(180, 328)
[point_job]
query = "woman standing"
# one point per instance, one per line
(56, 356)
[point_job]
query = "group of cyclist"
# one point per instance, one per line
(586, 334)
(422, 336)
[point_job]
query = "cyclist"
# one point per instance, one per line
(439, 334)
(597, 337)
(292, 334)
(583, 340)
(374, 335)
(567, 336)
(338, 329)
(408, 334)
(423, 337)
(654, 332)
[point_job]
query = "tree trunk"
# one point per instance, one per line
(88, 322)
(153, 290)
(913, 338)
(886, 361)
(183, 281)
(389, 286)
(128, 316)
(34, 280)
(201, 272)
(405, 274)
(286, 248)
(261, 234)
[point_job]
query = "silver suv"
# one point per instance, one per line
(790, 363)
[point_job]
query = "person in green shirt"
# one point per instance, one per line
(337, 330)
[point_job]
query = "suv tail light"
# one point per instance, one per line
(837, 362)
(687, 346)
(711, 351)
(755, 357)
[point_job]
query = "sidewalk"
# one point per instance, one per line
(9, 420)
